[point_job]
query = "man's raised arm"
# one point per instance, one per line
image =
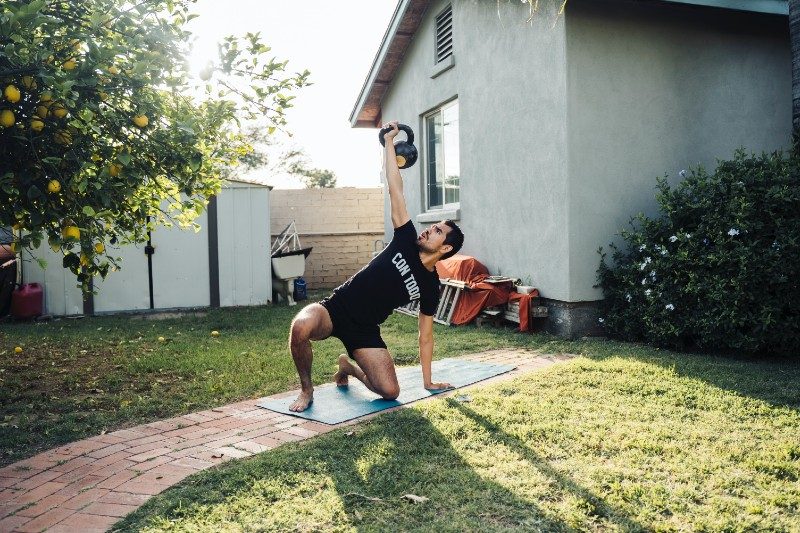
(393, 179)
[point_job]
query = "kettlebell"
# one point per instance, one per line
(405, 151)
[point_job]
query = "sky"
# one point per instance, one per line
(336, 42)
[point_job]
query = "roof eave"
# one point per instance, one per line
(406, 18)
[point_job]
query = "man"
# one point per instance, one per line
(404, 271)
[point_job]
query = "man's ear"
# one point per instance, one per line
(443, 249)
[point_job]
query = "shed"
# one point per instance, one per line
(542, 139)
(226, 263)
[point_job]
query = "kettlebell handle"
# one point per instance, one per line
(402, 127)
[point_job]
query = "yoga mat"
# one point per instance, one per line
(333, 404)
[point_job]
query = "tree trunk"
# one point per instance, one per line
(794, 39)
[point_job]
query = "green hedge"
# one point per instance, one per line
(718, 269)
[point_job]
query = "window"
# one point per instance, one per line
(442, 165)
(444, 34)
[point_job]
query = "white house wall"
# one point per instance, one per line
(244, 245)
(654, 89)
(510, 81)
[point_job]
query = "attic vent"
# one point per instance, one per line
(444, 34)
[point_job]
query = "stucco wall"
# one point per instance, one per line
(341, 224)
(510, 81)
(654, 89)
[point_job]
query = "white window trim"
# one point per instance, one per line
(451, 211)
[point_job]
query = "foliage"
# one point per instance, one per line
(103, 133)
(717, 269)
(314, 178)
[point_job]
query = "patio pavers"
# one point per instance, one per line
(90, 484)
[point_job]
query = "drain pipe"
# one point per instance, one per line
(149, 250)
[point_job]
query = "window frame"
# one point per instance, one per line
(444, 207)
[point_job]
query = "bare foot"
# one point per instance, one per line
(302, 402)
(340, 377)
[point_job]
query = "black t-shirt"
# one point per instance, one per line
(393, 278)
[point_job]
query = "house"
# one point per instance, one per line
(225, 263)
(542, 140)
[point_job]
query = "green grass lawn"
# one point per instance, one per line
(626, 439)
(76, 378)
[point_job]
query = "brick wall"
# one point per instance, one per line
(341, 224)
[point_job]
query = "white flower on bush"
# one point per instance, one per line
(682, 173)
(688, 236)
(601, 320)
(653, 275)
(628, 297)
(673, 238)
(646, 262)
(664, 250)
(642, 248)
(776, 245)
(647, 292)
(669, 307)
(644, 281)
(733, 231)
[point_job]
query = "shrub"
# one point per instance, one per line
(718, 270)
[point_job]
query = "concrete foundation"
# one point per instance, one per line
(572, 320)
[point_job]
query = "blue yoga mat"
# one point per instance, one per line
(333, 404)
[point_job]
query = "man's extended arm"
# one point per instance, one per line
(426, 352)
(393, 179)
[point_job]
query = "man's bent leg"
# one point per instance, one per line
(376, 371)
(312, 323)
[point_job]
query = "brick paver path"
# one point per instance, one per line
(90, 484)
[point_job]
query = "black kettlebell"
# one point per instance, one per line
(405, 151)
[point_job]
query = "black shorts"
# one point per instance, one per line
(352, 334)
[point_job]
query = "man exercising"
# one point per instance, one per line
(403, 272)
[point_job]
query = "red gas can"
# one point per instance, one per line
(26, 302)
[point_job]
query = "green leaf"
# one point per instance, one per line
(124, 158)
(88, 211)
(34, 192)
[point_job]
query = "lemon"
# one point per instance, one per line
(71, 233)
(46, 96)
(14, 247)
(161, 339)
(17, 226)
(70, 64)
(59, 111)
(114, 169)
(63, 137)
(84, 259)
(7, 118)
(141, 120)
(53, 186)
(18, 349)
(28, 82)
(113, 70)
(99, 248)
(37, 125)
(215, 333)
(42, 111)
(12, 94)
(103, 96)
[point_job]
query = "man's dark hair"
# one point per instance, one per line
(455, 238)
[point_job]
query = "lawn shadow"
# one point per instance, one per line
(600, 508)
(460, 499)
(770, 379)
(370, 467)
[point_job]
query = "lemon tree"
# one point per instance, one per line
(103, 133)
